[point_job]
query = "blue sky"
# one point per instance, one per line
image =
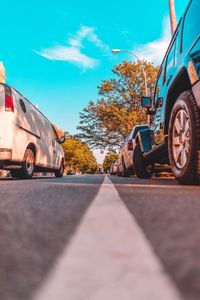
(57, 52)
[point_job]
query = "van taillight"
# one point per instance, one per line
(130, 145)
(9, 103)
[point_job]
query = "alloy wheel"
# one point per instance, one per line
(181, 138)
(29, 164)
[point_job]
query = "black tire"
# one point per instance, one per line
(184, 162)
(59, 173)
(125, 171)
(143, 170)
(16, 173)
(28, 165)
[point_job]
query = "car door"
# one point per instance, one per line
(165, 79)
(56, 149)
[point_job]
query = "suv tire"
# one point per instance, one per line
(59, 173)
(184, 139)
(28, 165)
(16, 173)
(143, 170)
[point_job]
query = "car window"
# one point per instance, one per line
(171, 57)
(178, 47)
(138, 129)
(191, 26)
(159, 84)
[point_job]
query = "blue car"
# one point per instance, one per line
(173, 136)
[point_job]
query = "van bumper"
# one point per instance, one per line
(196, 92)
(5, 154)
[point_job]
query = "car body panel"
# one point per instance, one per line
(23, 127)
(126, 154)
(179, 71)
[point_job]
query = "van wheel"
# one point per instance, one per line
(184, 139)
(59, 173)
(143, 170)
(28, 165)
(125, 171)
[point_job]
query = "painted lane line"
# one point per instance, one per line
(109, 258)
(157, 186)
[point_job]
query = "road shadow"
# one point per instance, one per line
(37, 221)
(136, 181)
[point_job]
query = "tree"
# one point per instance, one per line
(78, 156)
(108, 121)
(109, 159)
(58, 130)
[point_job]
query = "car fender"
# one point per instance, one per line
(145, 138)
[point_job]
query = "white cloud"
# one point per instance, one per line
(73, 52)
(154, 51)
(70, 54)
(88, 33)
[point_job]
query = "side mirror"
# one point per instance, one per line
(62, 140)
(146, 102)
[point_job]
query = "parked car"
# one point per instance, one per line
(28, 141)
(126, 167)
(71, 172)
(114, 169)
(173, 136)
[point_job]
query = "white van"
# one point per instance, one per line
(28, 141)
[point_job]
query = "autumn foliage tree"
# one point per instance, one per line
(78, 156)
(109, 159)
(110, 119)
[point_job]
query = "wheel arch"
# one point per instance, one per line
(181, 84)
(62, 160)
(32, 147)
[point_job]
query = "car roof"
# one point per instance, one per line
(4, 84)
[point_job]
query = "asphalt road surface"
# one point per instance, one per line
(49, 227)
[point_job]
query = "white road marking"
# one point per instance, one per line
(158, 186)
(109, 258)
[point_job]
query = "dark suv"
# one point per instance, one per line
(173, 136)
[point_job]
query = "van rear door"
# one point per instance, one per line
(6, 118)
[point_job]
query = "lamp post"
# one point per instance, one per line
(115, 51)
(172, 16)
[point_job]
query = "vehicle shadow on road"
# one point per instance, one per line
(136, 181)
(37, 222)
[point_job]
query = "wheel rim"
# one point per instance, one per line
(181, 138)
(149, 168)
(29, 164)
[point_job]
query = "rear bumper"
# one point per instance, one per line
(196, 92)
(5, 154)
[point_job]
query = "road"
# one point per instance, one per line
(99, 237)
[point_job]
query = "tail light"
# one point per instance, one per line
(130, 145)
(9, 103)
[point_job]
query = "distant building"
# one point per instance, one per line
(2, 73)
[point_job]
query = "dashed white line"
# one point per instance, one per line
(109, 258)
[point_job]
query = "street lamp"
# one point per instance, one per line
(115, 51)
(172, 16)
